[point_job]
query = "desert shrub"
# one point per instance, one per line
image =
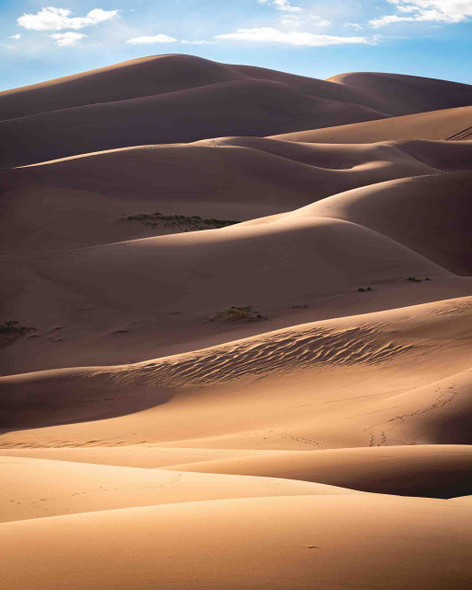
(237, 313)
(193, 222)
(14, 327)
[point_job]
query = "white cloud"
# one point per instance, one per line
(16, 37)
(58, 19)
(353, 26)
(283, 5)
(293, 21)
(318, 21)
(67, 39)
(151, 39)
(295, 38)
(185, 42)
(446, 11)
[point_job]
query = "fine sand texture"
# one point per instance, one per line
(235, 330)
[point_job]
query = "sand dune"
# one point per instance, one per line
(403, 95)
(359, 364)
(154, 75)
(101, 189)
(134, 299)
(448, 124)
(283, 542)
(172, 284)
(161, 74)
(157, 101)
(84, 200)
(396, 209)
(71, 488)
(419, 470)
(236, 330)
(240, 107)
(143, 456)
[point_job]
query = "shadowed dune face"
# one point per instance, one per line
(440, 471)
(403, 95)
(161, 74)
(77, 114)
(259, 344)
(395, 209)
(85, 200)
(151, 76)
(241, 107)
(302, 383)
(201, 274)
(141, 77)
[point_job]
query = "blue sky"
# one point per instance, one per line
(42, 40)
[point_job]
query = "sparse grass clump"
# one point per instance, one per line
(181, 222)
(243, 313)
(364, 289)
(14, 327)
(417, 280)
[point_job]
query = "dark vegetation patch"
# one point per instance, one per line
(11, 330)
(417, 280)
(245, 313)
(14, 327)
(180, 223)
(364, 289)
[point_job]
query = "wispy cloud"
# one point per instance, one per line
(149, 39)
(446, 11)
(294, 38)
(296, 21)
(282, 5)
(186, 42)
(16, 37)
(353, 26)
(67, 39)
(58, 19)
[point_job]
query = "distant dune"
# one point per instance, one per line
(448, 124)
(215, 100)
(250, 177)
(404, 95)
(236, 330)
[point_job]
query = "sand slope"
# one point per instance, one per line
(396, 377)
(396, 209)
(431, 470)
(84, 200)
(450, 124)
(160, 74)
(240, 107)
(178, 98)
(156, 284)
(284, 542)
(131, 299)
(154, 75)
(403, 95)
(71, 488)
